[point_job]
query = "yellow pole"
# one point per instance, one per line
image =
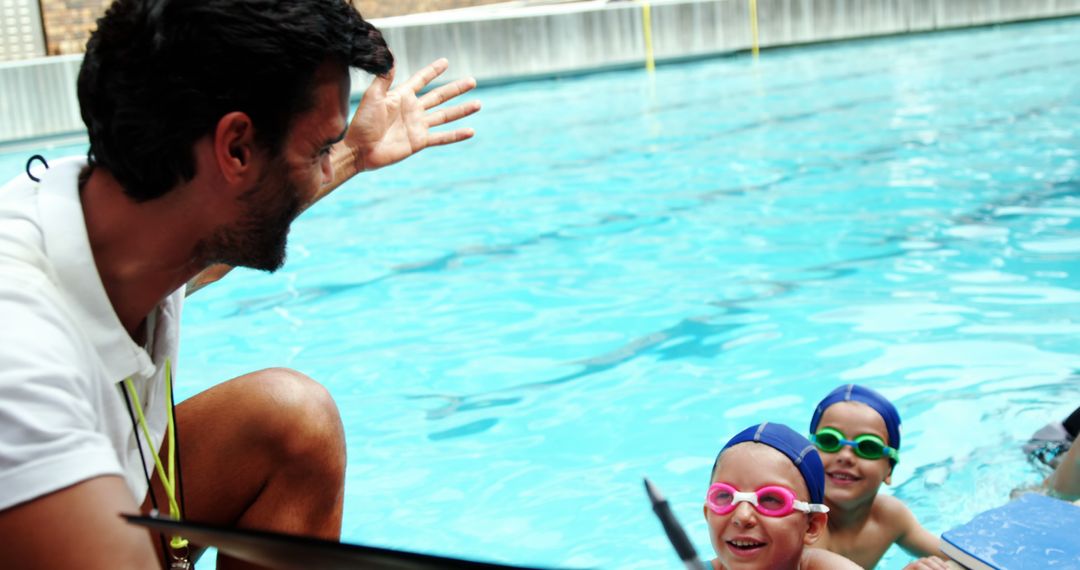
(753, 28)
(646, 24)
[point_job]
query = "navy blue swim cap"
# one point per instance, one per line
(796, 447)
(856, 393)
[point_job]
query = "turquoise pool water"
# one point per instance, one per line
(621, 271)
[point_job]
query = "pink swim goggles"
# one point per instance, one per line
(771, 500)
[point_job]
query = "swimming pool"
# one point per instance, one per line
(623, 270)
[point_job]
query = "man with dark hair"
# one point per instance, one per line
(212, 125)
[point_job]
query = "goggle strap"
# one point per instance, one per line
(810, 507)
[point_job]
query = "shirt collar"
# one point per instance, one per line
(68, 247)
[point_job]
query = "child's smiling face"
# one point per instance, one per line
(744, 538)
(848, 477)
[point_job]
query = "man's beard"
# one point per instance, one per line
(258, 239)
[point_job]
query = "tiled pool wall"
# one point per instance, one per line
(38, 100)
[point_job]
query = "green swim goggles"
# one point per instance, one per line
(867, 445)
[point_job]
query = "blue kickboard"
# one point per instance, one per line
(1032, 531)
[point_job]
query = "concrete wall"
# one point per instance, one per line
(20, 30)
(382, 8)
(538, 42)
(37, 97)
(521, 43)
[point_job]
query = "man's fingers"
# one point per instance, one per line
(426, 75)
(380, 84)
(443, 116)
(444, 93)
(449, 137)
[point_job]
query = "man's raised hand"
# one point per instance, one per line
(393, 124)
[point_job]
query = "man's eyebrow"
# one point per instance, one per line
(338, 138)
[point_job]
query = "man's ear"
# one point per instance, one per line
(888, 476)
(814, 531)
(234, 146)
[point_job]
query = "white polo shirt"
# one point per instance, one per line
(64, 353)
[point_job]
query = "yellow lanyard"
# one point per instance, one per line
(167, 481)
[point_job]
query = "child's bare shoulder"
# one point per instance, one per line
(891, 513)
(815, 558)
(888, 504)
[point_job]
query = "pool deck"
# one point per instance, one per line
(521, 40)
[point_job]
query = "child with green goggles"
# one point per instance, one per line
(867, 445)
(857, 433)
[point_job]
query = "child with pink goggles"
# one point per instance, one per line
(770, 500)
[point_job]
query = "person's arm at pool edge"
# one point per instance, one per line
(929, 563)
(1065, 480)
(389, 126)
(913, 538)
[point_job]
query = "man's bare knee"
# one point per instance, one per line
(262, 445)
(305, 422)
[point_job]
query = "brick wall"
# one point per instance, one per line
(68, 22)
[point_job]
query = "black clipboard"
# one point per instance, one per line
(292, 552)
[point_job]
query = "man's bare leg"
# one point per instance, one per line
(264, 451)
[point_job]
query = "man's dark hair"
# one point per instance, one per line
(160, 74)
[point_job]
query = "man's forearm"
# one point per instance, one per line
(346, 164)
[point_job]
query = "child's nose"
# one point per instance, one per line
(744, 516)
(847, 452)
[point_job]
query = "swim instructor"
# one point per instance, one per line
(212, 125)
